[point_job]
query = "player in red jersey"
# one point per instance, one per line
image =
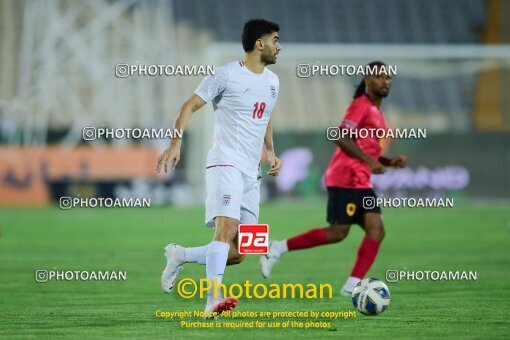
(348, 182)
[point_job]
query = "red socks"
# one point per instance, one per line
(366, 255)
(311, 238)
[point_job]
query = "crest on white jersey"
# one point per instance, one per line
(226, 199)
(273, 91)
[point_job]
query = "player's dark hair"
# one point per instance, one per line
(360, 89)
(254, 29)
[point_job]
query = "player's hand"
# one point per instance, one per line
(173, 154)
(376, 167)
(275, 163)
(398, 162)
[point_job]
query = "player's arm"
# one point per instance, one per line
(274, 162)
(397, 162)
(349, 146)
(173, 152)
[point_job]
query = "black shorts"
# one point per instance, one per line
(347, 206)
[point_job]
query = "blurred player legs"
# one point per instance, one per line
(367, 252)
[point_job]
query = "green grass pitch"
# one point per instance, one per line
(468, 237)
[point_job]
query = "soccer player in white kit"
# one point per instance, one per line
(243, 94)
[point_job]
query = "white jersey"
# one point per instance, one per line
(243, 102)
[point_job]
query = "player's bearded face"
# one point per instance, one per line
(269, 51)
(268, 57)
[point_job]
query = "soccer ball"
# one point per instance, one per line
(371, 296)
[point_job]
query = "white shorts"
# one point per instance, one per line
(231, 193)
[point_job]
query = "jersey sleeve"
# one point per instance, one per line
(277, 87)
(354, 117)
(213, 85)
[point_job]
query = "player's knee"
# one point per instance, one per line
(381, 235)
(225, 237)
(226, 229)
(377, 234)
(337, 233)
(235, 260)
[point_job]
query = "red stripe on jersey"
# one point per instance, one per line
(214, 166)
(241, 64)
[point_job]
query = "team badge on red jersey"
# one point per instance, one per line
(351, 209)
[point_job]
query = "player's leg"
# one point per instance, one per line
(367, 252)
(226, 237)
(223, 206)
(341, 211)
(233, 255)
(374, 234)
(198, 254)
(177, 256)
(250, 205)
(216, 261)
(187, 254)
(334, 233)
(224, 190)
(219, 248)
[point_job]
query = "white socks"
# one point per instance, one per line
(280, 247)
(214, 255)
(216, 261)
(194, 254)
(352, 282)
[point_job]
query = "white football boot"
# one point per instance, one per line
(267, 261)
(349, 286)
(173, 266)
